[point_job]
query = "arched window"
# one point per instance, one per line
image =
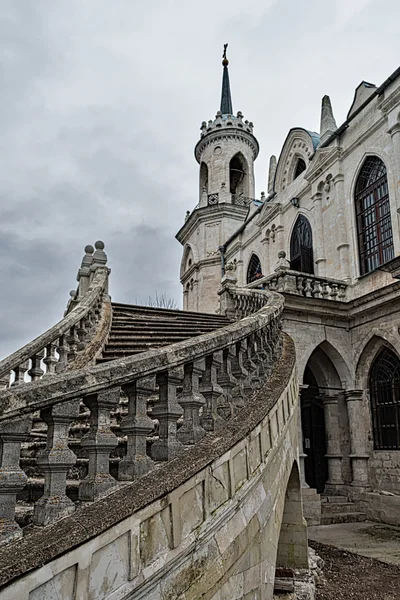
(301, 250)
(237, 175)
(254, 269)
(384, 389)
(203, 178)
(374, 225)
(300, 167)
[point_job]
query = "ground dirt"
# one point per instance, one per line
(349, 576)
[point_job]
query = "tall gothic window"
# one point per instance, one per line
(254, 269)
(374, 225)
(301, 250)
(384, 389)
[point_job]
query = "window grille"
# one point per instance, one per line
(384, 389)
(254, 270)
(374, 224)
(300, 167)
(301, 250)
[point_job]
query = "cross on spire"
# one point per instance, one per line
(226, 100)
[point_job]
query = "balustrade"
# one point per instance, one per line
(300, 284)
(57, 349)
(220, 371)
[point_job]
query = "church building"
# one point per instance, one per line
(326, 235)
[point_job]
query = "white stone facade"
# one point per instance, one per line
(338, 336)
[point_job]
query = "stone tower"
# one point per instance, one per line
(226, 153)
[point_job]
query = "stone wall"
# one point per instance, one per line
(207, 523)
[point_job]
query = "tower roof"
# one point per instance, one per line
(226, 100)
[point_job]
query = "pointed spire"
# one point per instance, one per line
(328, 123)
(226, 100)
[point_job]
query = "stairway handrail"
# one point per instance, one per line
(20, 400)
(95, 291)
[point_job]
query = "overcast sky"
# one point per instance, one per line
(101, 104)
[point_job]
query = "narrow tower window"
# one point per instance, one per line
(301, 250)
(374, 224)
(384, 389)
(236, 175)
(203, 178)
(300, 167)
(254, 270)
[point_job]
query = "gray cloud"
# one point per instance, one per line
(101, 105)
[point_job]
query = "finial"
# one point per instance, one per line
(225, 61)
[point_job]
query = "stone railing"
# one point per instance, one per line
(61, 347)
(286, 281)
(213, 373)
(236, 303)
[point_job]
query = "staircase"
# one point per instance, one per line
(136, 329)
(340, 509)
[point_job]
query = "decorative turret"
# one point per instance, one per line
(226, 152)
(328, 123)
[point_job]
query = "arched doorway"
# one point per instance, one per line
(314, 434)
(325, 426)
(301, 246)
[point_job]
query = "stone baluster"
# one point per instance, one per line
(333, 451)
(191, 401)
(251, 365)
(241, 375)
(211, 390)
(325, 291)
(261, 357)
(99, 442)
(358, 437)
(81, 333)
(50, 360)
(12, 478)
(317, 292)
(334, 291)
(54, 461)
(300, 285)
(36, 371)
(342, 292)
(20, 371)
(228, 382)
(136, 426)
(167, 411)
(308, 287)
(73, 341)
(62, 349)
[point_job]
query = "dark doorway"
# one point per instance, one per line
(314, 437)
(301, 247)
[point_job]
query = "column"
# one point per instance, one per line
(332, 432)
(358, 437)
(342, 219)
(302, 455)
(320, 259)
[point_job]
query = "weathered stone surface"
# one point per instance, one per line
(111, 514)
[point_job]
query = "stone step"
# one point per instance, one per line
(334, 499)
(339, 507)
(351, 517)
(149, 311)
